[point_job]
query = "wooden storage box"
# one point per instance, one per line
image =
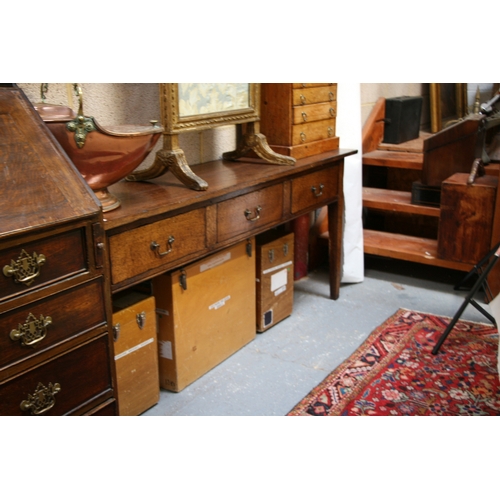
(206, 312)
(466, 221)
(136, 353)
(274, 278)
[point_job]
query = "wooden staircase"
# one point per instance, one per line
(406, 159)
(413, 237)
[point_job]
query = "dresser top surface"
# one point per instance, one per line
(141, 200)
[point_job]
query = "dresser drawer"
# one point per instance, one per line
(154, 245)
(61, 385)
(314, 189)
(36, 263)
(312, 95)
(313, 131)
(246, 213)
(314, 112)
(36, 327)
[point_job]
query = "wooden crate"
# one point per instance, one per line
(466, 221)
(136, 353)
(274, 278)
(206, 312)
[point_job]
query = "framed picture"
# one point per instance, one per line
(448, 103)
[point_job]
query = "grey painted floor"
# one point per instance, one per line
(275, 371)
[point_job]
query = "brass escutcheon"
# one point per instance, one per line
(156, 247)
(248, 214)
(42, 400)
(313, 189)
(26, 268)
(33, 331)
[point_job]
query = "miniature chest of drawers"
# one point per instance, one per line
(55, 345)
(299, 119)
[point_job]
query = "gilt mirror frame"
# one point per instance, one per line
(234, 104)
(176, 120)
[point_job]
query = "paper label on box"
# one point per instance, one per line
(219, 303)
(217, 261)
(133, 349)
(279, 280)
(165, 349)
(280, 290)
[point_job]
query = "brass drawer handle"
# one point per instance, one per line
(330, 131)
(313, 189)
(333, 112)
(156, 247)
(42, 400)
(302, 137)
(26, 268)
(331, 95)
(248, 214)
(33, 331)
(302, 99)
(304, 116)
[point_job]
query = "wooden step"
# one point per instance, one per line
(409, 248)
(395, 201)
(395, 159)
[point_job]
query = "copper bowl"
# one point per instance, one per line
(103, 156)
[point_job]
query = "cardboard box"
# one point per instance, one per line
(274, 278)
(136, 353)
(206, 312)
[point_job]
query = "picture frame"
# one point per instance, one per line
(448, 103)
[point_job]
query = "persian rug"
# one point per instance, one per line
(394, 372)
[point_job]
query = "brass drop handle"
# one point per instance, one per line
(302, 99)
(248, 214)
(330, 131)
(304, 116)
(32, 331)
(333, 112)
(313, 189)
(26, 268)
(332, 96)
(156, 247)
(302, 137)
(42, 400)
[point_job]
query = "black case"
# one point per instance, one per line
(402, 119)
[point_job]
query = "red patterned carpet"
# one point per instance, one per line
(394, 372)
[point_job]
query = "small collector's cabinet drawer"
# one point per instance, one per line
(299, 119)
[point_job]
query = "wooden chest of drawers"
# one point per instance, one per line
(299, 119)
(55, 309)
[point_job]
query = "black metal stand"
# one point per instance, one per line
(489, 260)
